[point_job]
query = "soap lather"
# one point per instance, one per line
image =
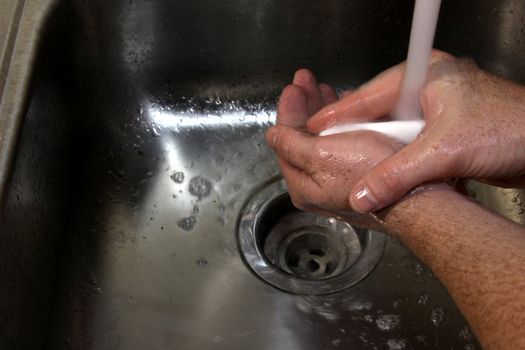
(404, 131)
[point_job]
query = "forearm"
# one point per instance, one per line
(478, 255)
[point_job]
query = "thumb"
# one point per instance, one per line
(392, 178)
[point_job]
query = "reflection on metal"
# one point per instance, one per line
(187, 120)
(509, 202)
(109, 109)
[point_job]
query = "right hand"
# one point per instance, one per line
(475, 128)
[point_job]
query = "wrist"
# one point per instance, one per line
(417, 209)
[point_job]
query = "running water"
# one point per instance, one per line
(407, 113)
(424, 24)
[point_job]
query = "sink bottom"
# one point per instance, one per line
(155, 262)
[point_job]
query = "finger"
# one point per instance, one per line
(292, 110)
(328, 94)
(305, 79)
(371, 101)
(392, 178)
(294, 146)
(300, 185)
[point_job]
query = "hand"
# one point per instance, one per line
(320, 171)
(475, 127)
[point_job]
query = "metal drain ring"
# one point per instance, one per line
(309, 246)
(251, 244)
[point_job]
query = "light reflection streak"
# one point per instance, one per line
(180, 120)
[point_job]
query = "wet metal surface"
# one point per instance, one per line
(127, 163)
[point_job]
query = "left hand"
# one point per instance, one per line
(321, 171)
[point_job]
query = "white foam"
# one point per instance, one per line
(404, 131)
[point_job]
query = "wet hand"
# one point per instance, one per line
(321, 171)
(475, 128)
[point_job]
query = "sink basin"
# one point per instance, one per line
(132, 141)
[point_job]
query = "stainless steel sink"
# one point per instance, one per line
(132, 143)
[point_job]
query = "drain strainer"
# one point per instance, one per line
(300, 252)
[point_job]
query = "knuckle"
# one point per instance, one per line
(466, 63)
(440, 56)
(291, 90)
(391, 182)
(445, 155)
(432, 90)
(297, 204)
(365, 104)
(285, 145)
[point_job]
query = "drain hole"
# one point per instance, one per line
(313, 266)
(293, 261)
(318, 252)
(329, 269)
(303, 244)
(303, 252)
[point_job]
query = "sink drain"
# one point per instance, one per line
(301, 252)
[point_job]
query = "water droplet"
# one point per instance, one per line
(423, 299)
(154, 130)
(217, 339)
(465, 334)
(202, 262)
(387, 323)
(396, 344)
(336, 342)
(437, 316)
(177, 177)
(188, 223)
(97, 290)
(359, 306)
(419, 269)
(195, 209)
(199, 187)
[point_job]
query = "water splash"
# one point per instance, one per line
(199, 187)
(188, 223)
(195, 210)
(437, 316)
(202, 262)
(357, 306)
(387, 323)
(466, 334)
(396, 344)
(423, 299)
(177, 177)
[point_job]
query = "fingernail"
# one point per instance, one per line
(363, 201)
